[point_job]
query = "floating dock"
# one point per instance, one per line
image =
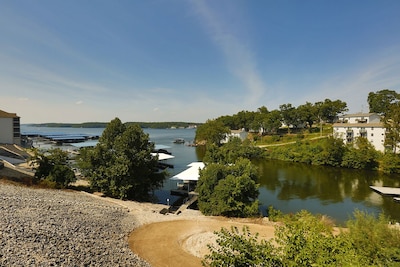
(387, 191)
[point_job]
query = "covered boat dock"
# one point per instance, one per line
(189, 178)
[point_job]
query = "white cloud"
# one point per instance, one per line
(239, 58)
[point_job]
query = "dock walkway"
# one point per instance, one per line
(388, 191)
(187, 204)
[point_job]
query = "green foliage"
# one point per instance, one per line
(240, 248)
(361, 156)
(228, 190)
(231, 151)
(390, 163)
(304, 239)
(274, 214)
(392, 125)
(373, 240)
(53, 168)
(328, 151)
(329, 110)
(121, 164)
(380, 101)
(212, 132)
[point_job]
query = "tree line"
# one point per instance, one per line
(269, 122)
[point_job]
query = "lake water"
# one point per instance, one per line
(286, 186)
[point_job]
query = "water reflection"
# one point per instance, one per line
(335, 192)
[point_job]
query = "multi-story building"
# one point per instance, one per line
(366, 125)
(10, 130)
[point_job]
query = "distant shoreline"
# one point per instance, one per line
(153, 125)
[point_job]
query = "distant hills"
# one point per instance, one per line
(153, 125)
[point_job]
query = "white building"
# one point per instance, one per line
(242, 134)
(10, 131)
(366, 125)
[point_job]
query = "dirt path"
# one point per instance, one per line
(184, 242)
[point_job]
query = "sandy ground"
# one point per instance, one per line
(180, 240)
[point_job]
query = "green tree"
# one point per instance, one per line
(289, 115)
(231, 151)
(228, 190)
(121, 164)
(307, 113)
(304, 239)
(373, 240)
(329, 152)
(390, 163)
(392, 124)
(380, 101)
(241, 248)
(53, 167)
(361, 155)
(272, 121)
(211, 132)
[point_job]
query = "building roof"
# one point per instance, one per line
(162, 156)
(371, 124)
(191, 174)
(4, 114)
(358, 115)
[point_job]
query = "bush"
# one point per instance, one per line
(304, 239)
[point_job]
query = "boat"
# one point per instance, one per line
(179, 141)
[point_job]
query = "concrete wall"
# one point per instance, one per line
(6, 131)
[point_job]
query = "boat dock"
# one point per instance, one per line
(387, 191)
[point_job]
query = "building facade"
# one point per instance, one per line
(10, 129)
(242, 134)
(367, 125)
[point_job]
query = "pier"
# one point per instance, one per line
(388, 191)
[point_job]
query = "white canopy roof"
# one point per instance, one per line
(162, 156)
(191, 174)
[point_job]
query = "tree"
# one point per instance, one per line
(121, 164)
(390, 163)
(304, 239)
(289, 116)
(373, 240)
(330, 152)
(241, 248)
(392, 124)
(329, 110)
(361, 156)
(53, 167)
(272, 121)
(228, 190)
(231, 151)
(307, 113)
(380, 101)
(212, 132)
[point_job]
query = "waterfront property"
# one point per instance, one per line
(242, 134)
(188, 178)
(10, 132)
(366, 125)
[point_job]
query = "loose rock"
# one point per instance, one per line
(40, 227)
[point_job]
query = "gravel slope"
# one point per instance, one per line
(40, 227)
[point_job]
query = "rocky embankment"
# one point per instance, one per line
(41, 227)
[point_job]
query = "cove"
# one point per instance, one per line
(335, 192)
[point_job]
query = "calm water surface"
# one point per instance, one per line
(286, 186)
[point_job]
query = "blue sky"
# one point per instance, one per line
(191, 60)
